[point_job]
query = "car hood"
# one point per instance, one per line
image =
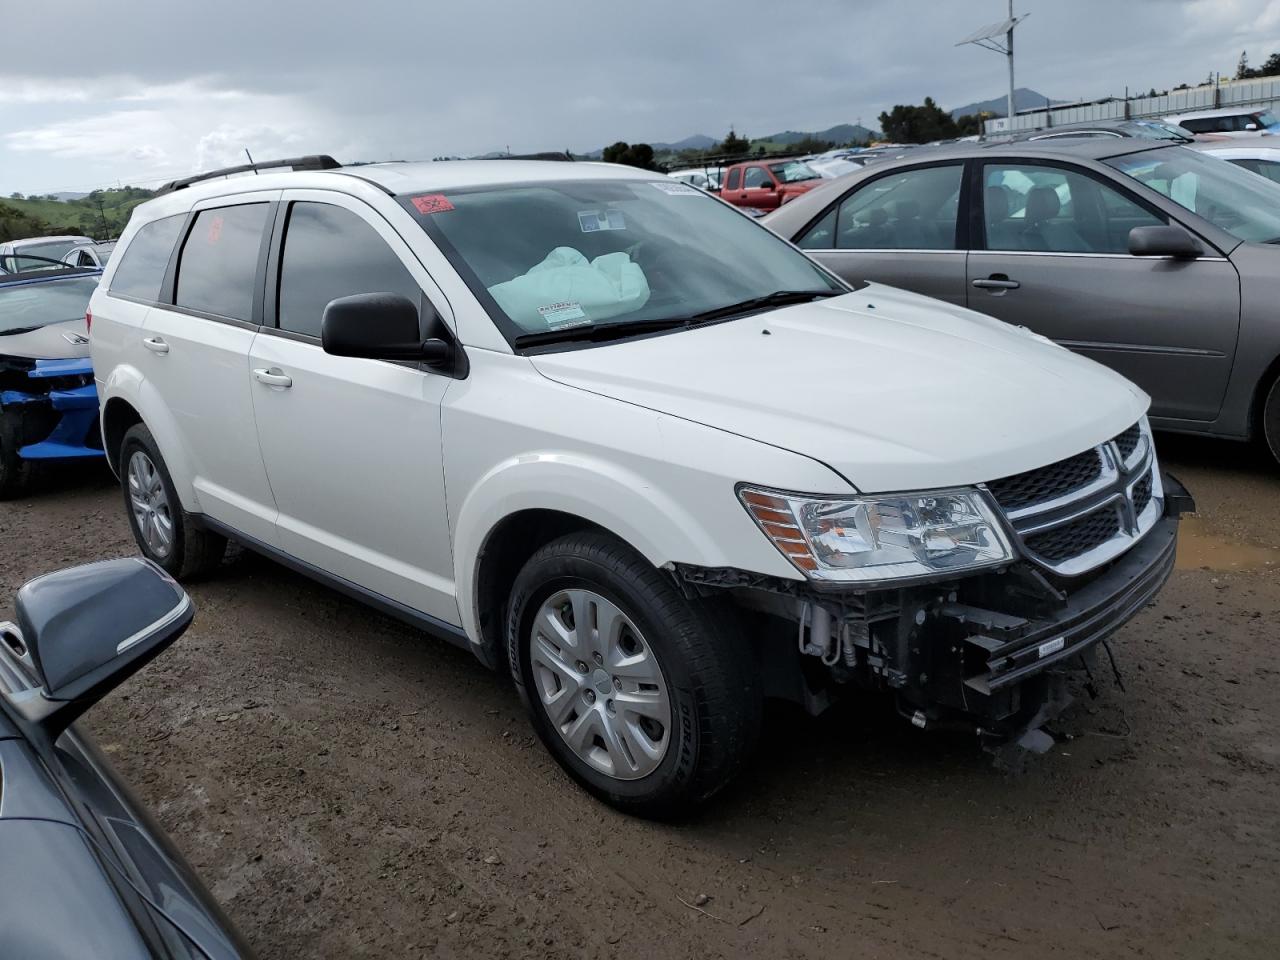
(893, 390)
(53, 341)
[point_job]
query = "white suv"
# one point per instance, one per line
(601, 427)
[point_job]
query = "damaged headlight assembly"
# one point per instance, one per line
(880, 538)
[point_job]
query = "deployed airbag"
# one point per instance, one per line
(566, 289)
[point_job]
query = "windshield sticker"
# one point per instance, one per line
(566, 313)
(432, 203)
(592, 221)
(676, 189)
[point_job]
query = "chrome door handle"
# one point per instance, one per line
(156, 345)
(997, 284)
(272, 377)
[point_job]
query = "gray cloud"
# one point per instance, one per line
(141, 90)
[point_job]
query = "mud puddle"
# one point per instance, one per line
(1200, 548)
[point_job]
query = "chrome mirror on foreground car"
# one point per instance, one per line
(379, 326)
(1164, 241)
(80, 633)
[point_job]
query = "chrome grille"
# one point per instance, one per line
(1082, 511)
(1047, 483)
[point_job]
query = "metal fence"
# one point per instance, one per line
(1262, 92)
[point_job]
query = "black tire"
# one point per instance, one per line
(15, 473)
(195, 552)
(1271, 420)
(710, 672)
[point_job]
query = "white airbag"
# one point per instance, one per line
(566, 288)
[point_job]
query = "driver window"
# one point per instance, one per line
(912, 210)
(756, 177)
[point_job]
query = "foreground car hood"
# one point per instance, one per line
(893, 390)
(54, 341)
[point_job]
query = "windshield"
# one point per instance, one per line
(793, 171)
(27, 306)
(54, 251)
(1266, 120)
(578, 254)
(1243, 204)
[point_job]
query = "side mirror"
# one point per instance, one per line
(1164, 241)
(770, 185)
(81, 632)
(379, 326)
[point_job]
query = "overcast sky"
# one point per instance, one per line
(138, 91)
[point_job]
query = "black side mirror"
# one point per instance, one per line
(379, 326)
(1164, 241)
(83, 631)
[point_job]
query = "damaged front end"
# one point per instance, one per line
(988, 652)
(50, 408)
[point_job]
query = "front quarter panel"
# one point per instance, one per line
(126, 382)
(514, 440)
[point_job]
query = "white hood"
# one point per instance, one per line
(894, 390)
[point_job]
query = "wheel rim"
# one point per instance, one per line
(600, 684)
(150, 505)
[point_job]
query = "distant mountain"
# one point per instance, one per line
(1023, 99)
(840, 133)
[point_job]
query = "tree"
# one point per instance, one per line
(918, 124)
(970, 125)
(811, 145)
(15, 195)
(1242, 68)
(633, 155)
(733, 145)
(1271, 68)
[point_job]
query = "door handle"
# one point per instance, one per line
(997, 282)
(272, 377)
(156, 345)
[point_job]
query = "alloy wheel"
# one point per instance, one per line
(150, 505)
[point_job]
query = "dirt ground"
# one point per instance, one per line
(350, 788)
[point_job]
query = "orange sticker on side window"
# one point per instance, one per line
(432, 203)
(215, 228)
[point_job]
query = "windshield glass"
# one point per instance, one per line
(561, 255)
(793, 171)
(54, 251)
(27, 306)
(1266, 120)
(1243, 204)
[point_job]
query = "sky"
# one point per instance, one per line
(141, 91)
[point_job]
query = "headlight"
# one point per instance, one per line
(880, 538)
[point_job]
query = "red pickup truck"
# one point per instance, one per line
(767, 184)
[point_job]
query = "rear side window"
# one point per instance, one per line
(219, 261)
(143, 263)
(1200, 125)
(735, 177)
(909, 210)
(328, 253)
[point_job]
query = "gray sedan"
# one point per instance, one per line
(1156, 260)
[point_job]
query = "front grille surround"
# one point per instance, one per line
(1081, 512)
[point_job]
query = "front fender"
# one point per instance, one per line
(127, 383)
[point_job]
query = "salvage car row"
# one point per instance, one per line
(646, 455)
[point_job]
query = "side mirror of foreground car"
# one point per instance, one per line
(379, 326)
(1164, 241)
(81, 632)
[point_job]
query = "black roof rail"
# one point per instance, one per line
(317, 161)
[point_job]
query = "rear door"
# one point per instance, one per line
(901, 228)
(1051, 254)
(352, 446)
(195, 352)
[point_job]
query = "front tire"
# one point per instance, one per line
(1271, 420)
(164, 532)
(15, 473)
(644, 697)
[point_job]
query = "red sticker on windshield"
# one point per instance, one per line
(432, 203)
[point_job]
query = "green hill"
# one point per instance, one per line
(101, 214)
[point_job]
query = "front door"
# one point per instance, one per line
(898, 229)
(196, 355)
(352, 446)
(1056, 260)
(758, 188)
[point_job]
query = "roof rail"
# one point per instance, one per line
(318, 161)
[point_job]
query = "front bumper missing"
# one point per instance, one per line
(63, 418)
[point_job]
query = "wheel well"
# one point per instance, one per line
(117, 418)
(506, 549)
(1259, 409)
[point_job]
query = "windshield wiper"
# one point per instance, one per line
(598, 333)
(5, 333)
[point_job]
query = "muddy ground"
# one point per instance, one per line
(350, 788)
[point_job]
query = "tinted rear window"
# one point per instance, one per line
(219, 261)
(142, 265)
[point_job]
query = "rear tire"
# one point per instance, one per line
(1271, 420)
(164, 532)
(15, 473)
(654, 720)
